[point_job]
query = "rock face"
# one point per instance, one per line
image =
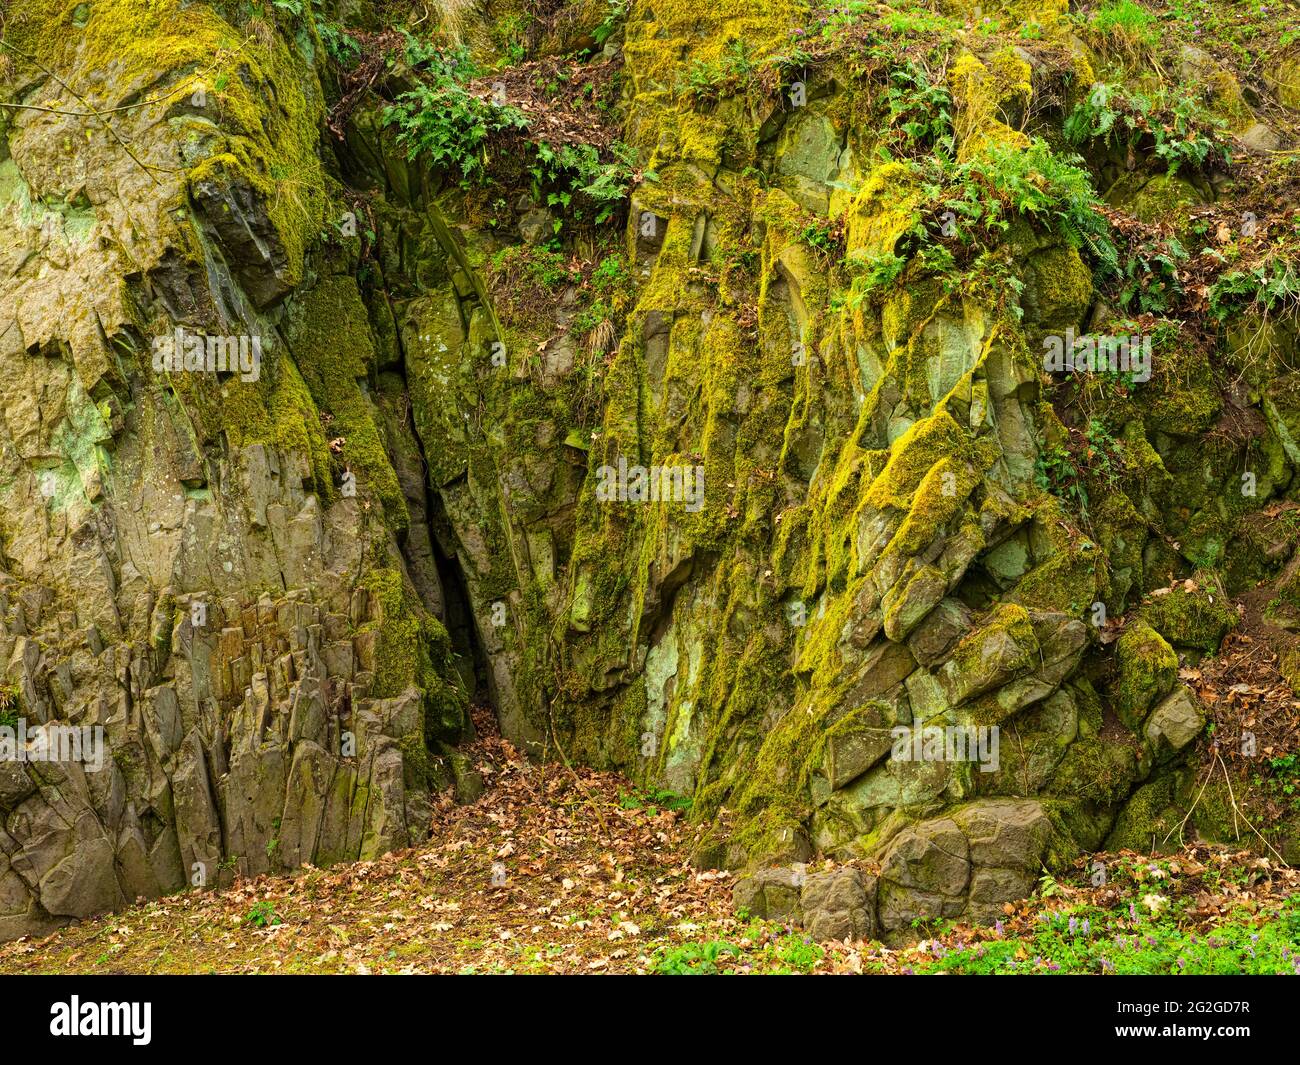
(875, 634)
(184, 566)
(988, 853)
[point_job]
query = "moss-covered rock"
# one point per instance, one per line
(1147, 670)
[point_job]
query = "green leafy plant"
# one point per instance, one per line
(1149, 280)
(1272, 285)
(444, 121)
(694, 959)
(875, 274)
(440, 117)
(1125, 17)
(1055, 190)
(652, 799)
(1283, 781)
(574, 179)
(1091, 457)
(733, 72)
(1056, 472)
(1178, 133)
(1138, 939)
(262, 915)
(341, 46)
(9, 706)
(919, 112)
(615, 13)
(986, 193)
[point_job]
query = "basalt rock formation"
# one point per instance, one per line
(815, 257)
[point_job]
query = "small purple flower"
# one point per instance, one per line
(1132, 911)
(997, 929)
(1074, 925)
(1087, 927)
(1054, 967)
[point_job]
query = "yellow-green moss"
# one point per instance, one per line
(330, 340)
(412, 649)
(1149, 820)
(1147, 671)
(1198, 617)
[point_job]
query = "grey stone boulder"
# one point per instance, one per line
(1260, 139)
(932, 856)
(1175, 722)
(935, 637)
(83, 883)
(1005, 832)
(855, 747)
(15, 784)
(1004, 650)
(840, 905)
(770, 893)
(991, 889)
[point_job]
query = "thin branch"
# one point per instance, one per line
(1237, 810)
(93, 112)
(86, 103)
(178, 90)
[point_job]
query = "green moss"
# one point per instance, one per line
(1215, 817)
(1068, 582)
(1123, 533)
(939, 498)
(1149, 820)
(330, 339)
(881, 212)
(1006, 622)
(187, 48)
(1196, 617)
(1182, 396)
(1156, 199)
(984, 92)
(412, 649)
(1147, 671)
(1060, 290)
(278, 411)
(1095, 771)
(1289, 667)
(925, 444)
(665, 37)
